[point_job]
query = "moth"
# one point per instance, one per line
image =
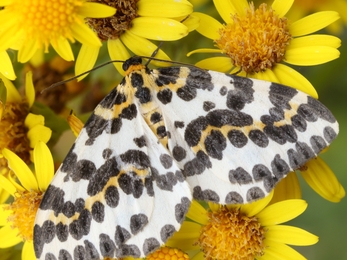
(163, 137)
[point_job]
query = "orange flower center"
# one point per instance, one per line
(229, 235)
(45, 21)
(116, 25)
(257, 41)
(13, 133)
(167, 253)
(24, 208)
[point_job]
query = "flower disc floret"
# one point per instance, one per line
(257, 41)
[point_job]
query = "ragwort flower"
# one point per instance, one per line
(20, 130)
(135, 22)
(258, 41)
(250, 231)
(17, 219)
(30, 26)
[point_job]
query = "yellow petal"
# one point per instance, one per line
(287, 188)
(10, 32)
(28, 252)
(185, 238)
(63, 48)
(161, 29)
(199, 256)
(275, 250)
(75, 124)
(82, 33)
(204, 50)
(164, 8)
(281, 7)
(44, 166)
(322, 180)
(254, 208)
(6, 67)
(9, 237)
(267, 75)
(234, 7)
(315, 40)
(143, 47)
(225, 9)
(38, 58)
(290, 77)
(117, 52)
(22, 171)
(222, 64)
(4, 195)
(33, 120)
(311, 55)
(192, 22)
(29, 88)
(7, 185)
(96, 10)
(209, 27)
(12, 93)
(39, 133)
(27, 50)
(281, 212)
(313, 23)
(4, 214)
(197, 213)
(86, 60)
(290, 235)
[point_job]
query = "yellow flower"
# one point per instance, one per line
(17, 218)
(20, 130)
(250, 231)
(30, 26)
(257, 41)
(135, 22)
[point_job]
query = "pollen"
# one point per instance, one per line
(167, 253)
(114, 26)
(24, 208)
(230, 235)
(46, 21)
(13, 133)
(257, 41)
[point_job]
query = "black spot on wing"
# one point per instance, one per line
(112, 196)
(140, 142)
(62, 232)
(166, 232)
(279, 167)
(233, 198)
(155, 117)
(107, 246)
(97, 124)
(317, 143)
(215, 143)
(150, 244)
(91, 251)
(199, 79)
(320, 110)
(329, 134)
(129, 112)
(53, 199)
(179, 153)
(280, 95)
(237, 138)
(137, 223)
(193, 130)
(181, 209)
(130, 183)
(239, 176)
(63, 254)
(179, 124)
(121, 235)
(208, 105)
(221, 117)
(138, 158)
(208, 195)
(167, 75)
(98, 211)
(125, 250)
(242, 93)
(165, 96)
(100, 178)
(254, 193)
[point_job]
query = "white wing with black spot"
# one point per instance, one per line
(117, 193)
(234, 138)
